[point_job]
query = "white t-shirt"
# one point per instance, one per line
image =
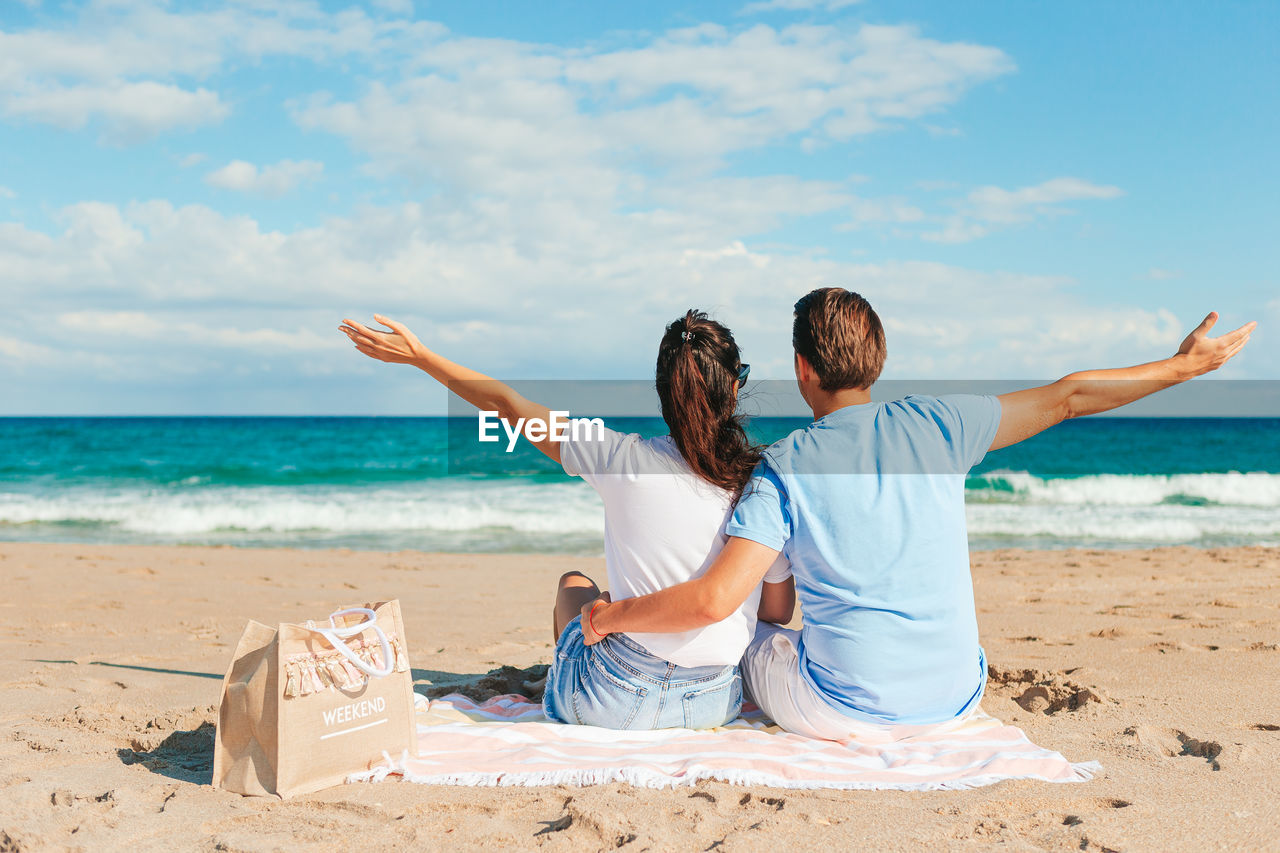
(663, 525)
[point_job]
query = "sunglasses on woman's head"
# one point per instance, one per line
(743, 373)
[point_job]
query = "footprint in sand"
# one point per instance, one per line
(1174, 743)
(1112, 803)
(1166, 646)
(776, 803)
(1058, 829)
(182, 754)
(1043, 692)
(591, 819)
(497, 682)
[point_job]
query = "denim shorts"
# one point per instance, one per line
(617, 684)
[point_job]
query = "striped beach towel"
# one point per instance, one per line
(508, 741)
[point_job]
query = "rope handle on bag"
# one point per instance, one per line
(335, 635)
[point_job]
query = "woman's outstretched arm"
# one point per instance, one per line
(401, 346)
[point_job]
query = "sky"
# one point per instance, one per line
(193, 195)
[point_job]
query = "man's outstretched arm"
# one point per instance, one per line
(683, 607)
(1026, 413)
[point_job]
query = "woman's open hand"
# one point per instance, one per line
(398, 346)
(1204, 353)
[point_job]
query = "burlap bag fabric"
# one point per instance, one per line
(305, 705)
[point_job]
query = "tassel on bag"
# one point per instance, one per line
(350, 675)
(304, 681)
(305, 674)
(291, 680)
(354, 676)
(316, 686)
(336, 674)
(322, 683)
(322, 671)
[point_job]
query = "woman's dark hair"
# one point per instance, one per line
(698, 364)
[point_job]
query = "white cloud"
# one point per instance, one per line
(1158, 274)
(956, 323)
(5, 192)
(937, 130)
(879, 210)
(983, 210)
(111, 322)
(830, 82)
(796, 6)
(195, 158)
(24, 358)
(957, 230)
(271, 181)
(145, 38)
(736, 249)
(395, 7)
(149, 327)
(752, 205)
(130, 111)
(512, 119)
(266, 297)
(990, 207)
(140, 68)
(578, 186)
(534, 149)
(993, 204)
(23, 351)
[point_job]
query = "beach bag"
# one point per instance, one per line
(306, 705)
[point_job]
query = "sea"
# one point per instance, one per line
(393, 483)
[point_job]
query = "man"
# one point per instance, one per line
(868, 505)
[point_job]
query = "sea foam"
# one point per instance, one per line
(1004, 507)
(1232, 488)
(534, 508)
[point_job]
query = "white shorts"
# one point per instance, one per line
(771, 674)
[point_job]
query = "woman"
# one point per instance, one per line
(666, 500)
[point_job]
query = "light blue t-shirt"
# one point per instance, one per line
(867, 504)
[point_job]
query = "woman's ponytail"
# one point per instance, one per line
(697, 377)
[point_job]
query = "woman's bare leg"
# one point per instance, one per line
(574, 591)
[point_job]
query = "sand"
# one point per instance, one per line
(1164, 665)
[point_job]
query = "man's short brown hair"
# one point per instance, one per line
(839, 334)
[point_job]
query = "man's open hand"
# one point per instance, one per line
(1204, 353)
(589, 635)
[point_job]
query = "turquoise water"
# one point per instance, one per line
(393, 483)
